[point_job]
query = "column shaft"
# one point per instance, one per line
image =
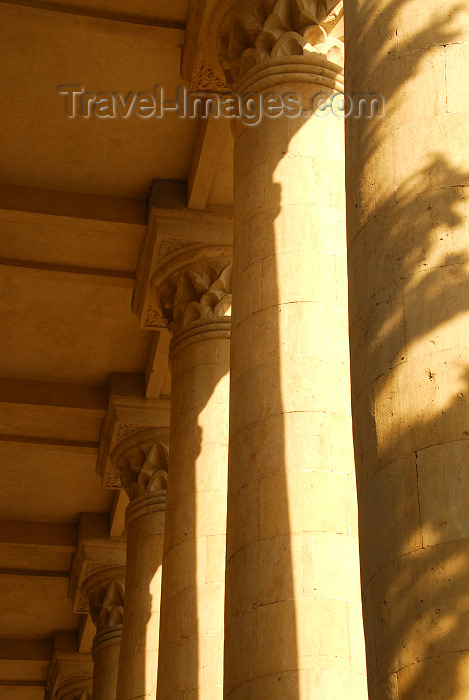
(139, 647)
(106, 649)
(293, 613)
(192, 601)
(407, 176)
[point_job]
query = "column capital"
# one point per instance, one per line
(129, 412)
(76, 689)
(96, 551)
(141, 461)
(70, 674)
(173, 228)
(194, 286)
(230, 41)
(104, 590)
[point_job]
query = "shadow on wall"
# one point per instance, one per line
(409, 302)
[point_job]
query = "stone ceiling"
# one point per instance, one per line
(73, 215)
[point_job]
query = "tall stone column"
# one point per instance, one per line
(141, 461)
(104, 590)
(293, 626)
(407, 221)
(192, 289)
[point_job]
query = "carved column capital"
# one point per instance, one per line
(129, 411)
(262, 34)
(70, 673)
(194, 286)
(96, 551)
(231, 41)
(76, 689)
(141, 461)
(104, 590)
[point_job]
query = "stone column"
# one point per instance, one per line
(104, 590)
(141, 461)
(193, 291)
(293, 611)
(407, 221)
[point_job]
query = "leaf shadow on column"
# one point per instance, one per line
(407, 291)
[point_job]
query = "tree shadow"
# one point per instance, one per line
(409, 295)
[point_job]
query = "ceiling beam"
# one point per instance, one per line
(54, 536)
(71, 446)
(76, 205)
(90, 275)
(27, 649)
(86, 633)
(213, 134)
(173, 31)
(157, 371)
(92, 399)
(117, 518)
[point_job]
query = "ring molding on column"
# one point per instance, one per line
(219, 327)
(152, 502)
(314, 69)
(107, 639)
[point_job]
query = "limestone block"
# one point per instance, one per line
(443, 487)
(457, 56)
(420, 606)
(389, 512)
(306, 490)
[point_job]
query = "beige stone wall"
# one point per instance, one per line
(409, 300)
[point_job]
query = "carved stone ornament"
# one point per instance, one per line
(69, 676)
(207, 80)
(81, 603)
(75, 690)
(258, 30)
(194, 289)
(168, 245)
(153, 318)
(141, 460)
(105, 592)
(86, 695)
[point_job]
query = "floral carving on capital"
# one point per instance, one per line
(141, 461)
(254, 32)
(79, 694)
(197, 294)
(105, 593)
(194, 289)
